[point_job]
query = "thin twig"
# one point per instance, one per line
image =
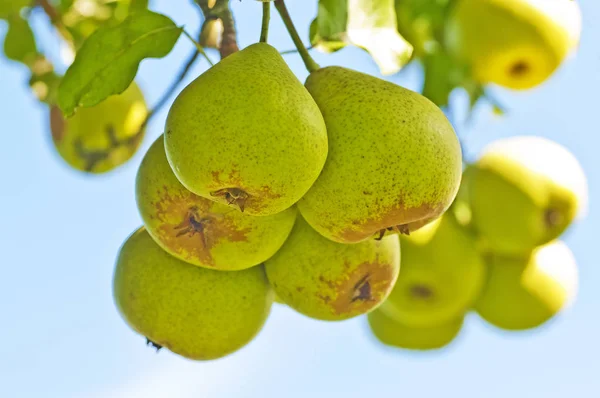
(294, 50)
(199, 48)
(309, 62)
(56, 21)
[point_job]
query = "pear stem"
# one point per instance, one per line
(264, 31)
(309, 62)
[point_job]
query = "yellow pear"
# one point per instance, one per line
(513, 43)
(327, 280)
(524, 192)
(198, 230)
(247, 133)
(394, 160)
(194, 312)
(442, 275)
(97, 139)
(523, 293)
(392, 333)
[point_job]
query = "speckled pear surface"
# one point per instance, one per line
(524, 192)
(394, 160)
(442, 275)
(100, 138)
(247, 133)
(331, 281)
(524, 293)
(514, 43)
(197, 313)
(395, 334)
(198, 230)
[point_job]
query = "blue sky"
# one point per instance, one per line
(62, 337)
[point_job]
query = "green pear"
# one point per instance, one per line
(442, 275)
(198, 230)
(524, 192)
(247, 133)
(514, 43)
(98, 139)
(197, 313)
(524, 293)
(326, 280)
(392, 333)
(394, 160)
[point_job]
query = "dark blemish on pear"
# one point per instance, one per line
(362, 290)
(553, 218)
(402, 229)
(194, 224)
(233, 196)
(519, 69)
(421, 291)
(154, 345)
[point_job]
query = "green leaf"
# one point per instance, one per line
(12, 7)
(441, 77)
(369, 24)
(19, 43)
(108, 61)
(331, 21)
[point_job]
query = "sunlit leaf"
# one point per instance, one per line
(369, 24)
(372, 26)
(108, 61)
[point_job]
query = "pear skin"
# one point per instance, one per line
(517, 44)
(442, 275)
(326, 280)
(524, 293)
(100, 138)
(394, 159)
(246, 133)
(197, 313)
(395, 334)
(198, 230)
(525, 192)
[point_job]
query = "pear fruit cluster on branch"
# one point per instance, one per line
(495, 252)
(279, 188)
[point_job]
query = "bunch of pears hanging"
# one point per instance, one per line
(263, 187)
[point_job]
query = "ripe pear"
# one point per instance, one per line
(393, 333)
(524, 293)
(524, 192)
(98, 139)
(198, 230)
(394, 159)
(517, 44)
(442, 275)
(326, 280)
(247, 133)
(194, 312)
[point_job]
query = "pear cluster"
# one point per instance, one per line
(495, 252)
(262, 187)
